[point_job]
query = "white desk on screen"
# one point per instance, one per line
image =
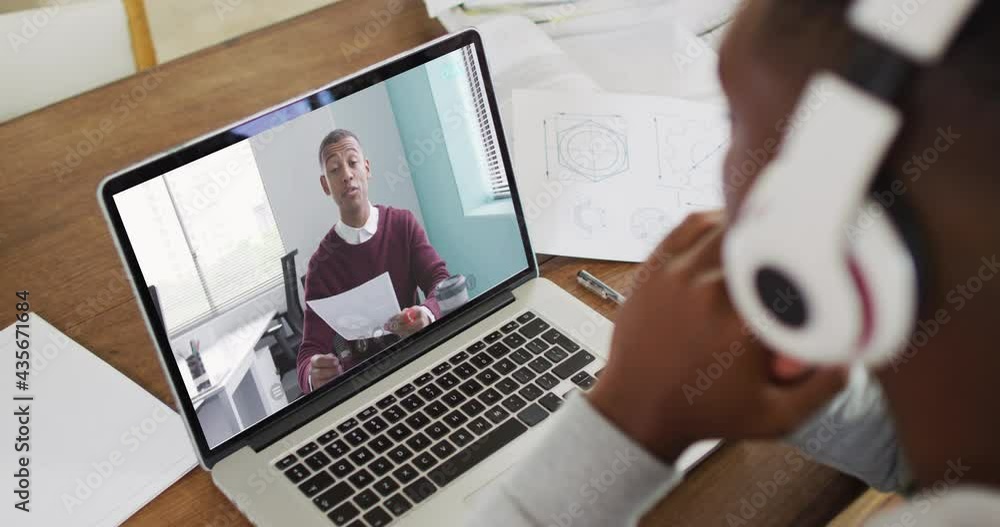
(245, 386)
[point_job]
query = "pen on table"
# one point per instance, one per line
(599, 288)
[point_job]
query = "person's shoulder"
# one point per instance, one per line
(325, 250)
(396, 217)
(326, 244)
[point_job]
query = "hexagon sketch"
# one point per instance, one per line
(586, 148)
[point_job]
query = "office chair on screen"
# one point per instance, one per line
(285, 334)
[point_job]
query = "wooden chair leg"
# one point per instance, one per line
(142, 39)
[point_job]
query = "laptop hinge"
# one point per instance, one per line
(374, 371)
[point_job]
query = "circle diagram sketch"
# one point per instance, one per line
(589, 217)
(586, 148)
(650, 223)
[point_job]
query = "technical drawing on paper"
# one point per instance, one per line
(691, 154)
(585, 148)
(650, 223)
(589, 217)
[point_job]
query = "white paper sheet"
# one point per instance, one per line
(101, 446)
(522, 57)
(607, 176)
(361, 312)
(436, 7)
(664, 56)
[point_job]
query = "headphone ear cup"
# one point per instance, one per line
(794, 290)
(888, 283)
(826, 304)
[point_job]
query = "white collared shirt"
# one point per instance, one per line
(359, 235)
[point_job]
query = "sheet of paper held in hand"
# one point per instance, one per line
(361, 312)
(608, 176)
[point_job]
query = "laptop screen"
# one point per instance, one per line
(324, 234)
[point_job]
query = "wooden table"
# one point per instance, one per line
(53, 240)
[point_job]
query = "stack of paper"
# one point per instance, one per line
(608, 176)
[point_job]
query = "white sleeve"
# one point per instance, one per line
(855, 434)
(584, 472)
(430, 315)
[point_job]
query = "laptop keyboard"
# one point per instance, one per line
(375, 466)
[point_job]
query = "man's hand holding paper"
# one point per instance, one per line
(410, 321)
(361, 312)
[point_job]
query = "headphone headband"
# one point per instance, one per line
(921, 30)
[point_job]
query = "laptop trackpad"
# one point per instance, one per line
(475, 495)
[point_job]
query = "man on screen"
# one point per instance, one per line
(367, 241)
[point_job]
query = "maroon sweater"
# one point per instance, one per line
(399, 247)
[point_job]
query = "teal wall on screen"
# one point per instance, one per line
(439, 143)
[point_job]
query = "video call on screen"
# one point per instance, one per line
(331, 231)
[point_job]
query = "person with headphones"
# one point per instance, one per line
(848, 281)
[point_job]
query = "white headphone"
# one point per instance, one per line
(808, 288)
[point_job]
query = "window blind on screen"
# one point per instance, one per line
(217, 246)
(497, 178)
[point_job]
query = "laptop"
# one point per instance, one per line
(345, 301)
